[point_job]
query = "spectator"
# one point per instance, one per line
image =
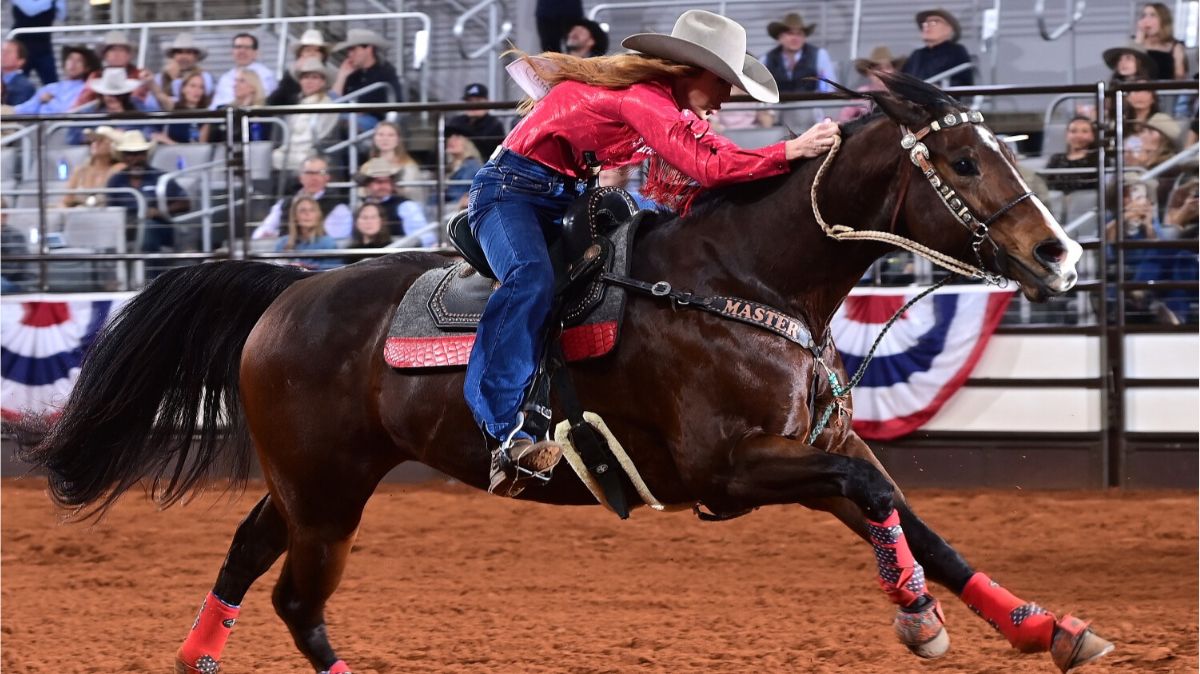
(245, 58)
(17, 86)
(364, 66)
(586, 39)
(114, 92)
(183, 61)
(940, 32)
(116, 53)
(248, 91)
(78, 63)
(314, 181)
(1169, 307)
(404, 217)
(1182, 215)
(311, 45)
(1130, 62)
(794, 61)
(1140, 106)
(1156, 33)
(102, 165)
(464, 163)
(387, 143)
(159, 232)
(306, 130)
(38, 48)
(1081, 153)
(481, 126)
(880, 60)
(554, 18)
(306, 231)
(1154, 142)
(622, 177)
(192, 96)
(369, 231)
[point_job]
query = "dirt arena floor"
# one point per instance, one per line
(448, 580)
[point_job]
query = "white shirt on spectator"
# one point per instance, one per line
(338, 224)
(412, 216)
(224, 93)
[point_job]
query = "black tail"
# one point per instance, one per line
(163, 374)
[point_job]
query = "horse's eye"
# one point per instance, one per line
(965, 167)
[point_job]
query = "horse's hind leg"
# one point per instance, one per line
(260, 539)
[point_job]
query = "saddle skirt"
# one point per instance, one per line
(434, 324)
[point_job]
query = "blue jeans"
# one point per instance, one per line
(513, 203)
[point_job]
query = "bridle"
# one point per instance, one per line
(918, 153)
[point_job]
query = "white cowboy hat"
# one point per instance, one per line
(185, 41)
(313, 64)
(359, 36)
(115, 38)
(712, 42)
(114, 82)
(104, 131)
(133, 141)
(312, 38)
(375, 168)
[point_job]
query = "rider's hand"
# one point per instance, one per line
(817, 140)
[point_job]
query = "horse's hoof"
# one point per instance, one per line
(923, 631)
(1074, 644)
(205, 664)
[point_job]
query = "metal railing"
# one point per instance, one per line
(497, 32)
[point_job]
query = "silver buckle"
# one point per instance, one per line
(660, 289)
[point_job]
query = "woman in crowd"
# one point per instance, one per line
(370, 230)
(463, 163)
(1156, 33)
(307, 130)
(306, 231)
(102, 164)
(387, 143)
(311, 45)
(1081, 153)
(192, 96)
(248, 90)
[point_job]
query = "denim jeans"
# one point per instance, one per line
(513, 203)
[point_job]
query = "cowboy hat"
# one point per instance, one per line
(712, 42)
(312, 38)
(1165, 126)
(1112, 56)
(115, 38)
(133, 141)
(312, 64)
(878, 56)
(599, 36)
(114, 82)
(104, 131)
(945, 16)
(791, 22)
(90, 60)
(361, 36)
(375, 168)
(185, 42)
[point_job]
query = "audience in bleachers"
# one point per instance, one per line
(18, 88)
(115, 93)
(248, 90)
(462, 163)
(1155, 31)
(245, 58)
(880, 59)
(403, 216)
(387, 143)
(38, 48)
(586, 39)
(369, 230)
(1140, 107)
(102, 164)
(364, 66)
(306, 231)
(116, 54)
(307, 130)
(311, 45)
(159, 234)
(183, 61)
(793, 61)
(314, 181)
(1080, 153)
(1130, 62)
(79, 63)
(1181, 211)
(481, 126)
(192, 96)
(940, 31)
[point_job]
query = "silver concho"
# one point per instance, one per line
(950, 120)
(908, 141)
(975, 116)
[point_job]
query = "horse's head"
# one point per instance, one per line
(965, 192)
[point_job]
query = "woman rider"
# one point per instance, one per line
(624, 109)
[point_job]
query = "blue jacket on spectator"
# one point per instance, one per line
(63, 92)
(929, 61)
(324, 242)
(17, 88)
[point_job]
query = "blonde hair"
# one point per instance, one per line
(400, 156)
(469, 150)
(294, 229)
(611, 72)
(260, 91)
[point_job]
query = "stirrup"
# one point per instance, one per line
(508, 476)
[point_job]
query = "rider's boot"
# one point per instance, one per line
(520, 460)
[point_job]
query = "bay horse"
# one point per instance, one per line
(211, 359)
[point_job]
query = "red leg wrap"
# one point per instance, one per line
(202, 648)
(1027, 626)
(900, 576)
(339, 667)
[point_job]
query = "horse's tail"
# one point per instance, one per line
(158, 394)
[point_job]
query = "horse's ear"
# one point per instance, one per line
(909, 100)
(900, 110)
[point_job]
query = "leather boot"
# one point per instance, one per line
(524, 460)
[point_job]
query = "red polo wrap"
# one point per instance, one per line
(900, 576)
(1027, 626)
(210, 631)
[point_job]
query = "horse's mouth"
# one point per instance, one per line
(1040, 285)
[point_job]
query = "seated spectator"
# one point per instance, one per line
(116, 53)
(18, 88)
(78, 64)
(159, 233)
(1140, 107)
(586, 39)
(481, 126)
(311, 45)
(1081, 153)
(1129, 63)
(940, 32)
(314, 179)
(369, 230)
(114, 93)
(364, 66)
(794, 60)
(306, 231)
(183, 61)
(1181, 217)
(245, 59)
(387, 143)
(1154, 143)
(307, 130)
(1168, 307)
(463, 162)
(404, 217)
(554, 18)
(248, 91)
(1156, 33)
(102, 164)
(192, 96)
(880, 60)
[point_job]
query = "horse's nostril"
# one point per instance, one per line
(1051, 253)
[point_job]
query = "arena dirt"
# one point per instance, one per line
(444, 579)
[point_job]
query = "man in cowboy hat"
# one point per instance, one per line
(314, 182)
(364, 66)
(312, 45)
(245, 56)
(879, 60)
(184, 55)
(403, 216)
(586, 38)
(940, 32)
(159, 233)
(17, 86)
(116, 51)
(481, 126)
(78, 63)
(793, 61)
